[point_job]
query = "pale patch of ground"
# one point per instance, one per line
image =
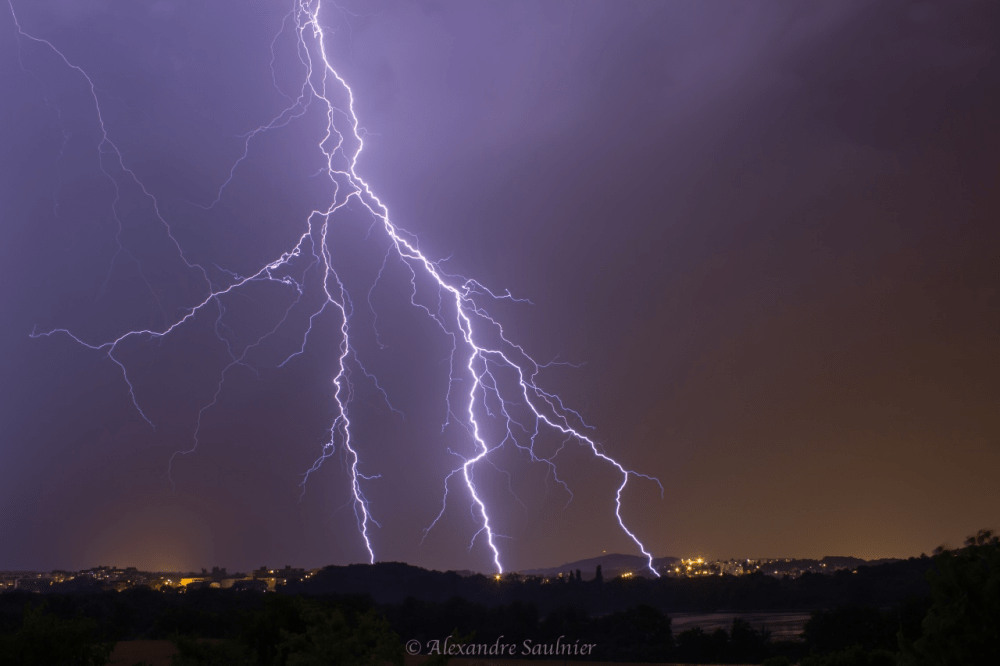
(154, 653)
(416, 661)
(159, 653)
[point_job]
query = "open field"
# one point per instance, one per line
(154, 653)
(547, 662)
(784, 626)
(159, 653)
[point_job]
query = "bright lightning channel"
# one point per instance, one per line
(465, 321)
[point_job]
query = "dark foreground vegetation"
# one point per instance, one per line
(942, 610)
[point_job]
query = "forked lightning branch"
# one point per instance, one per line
(480, 348)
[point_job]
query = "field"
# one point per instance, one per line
(159, 653)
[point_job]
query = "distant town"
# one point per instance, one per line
(269, 580)
(772, 567)
(113, 578)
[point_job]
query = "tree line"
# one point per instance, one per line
(949, 615)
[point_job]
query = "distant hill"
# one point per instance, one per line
(398, 583)
(847, 562)
(612, 565)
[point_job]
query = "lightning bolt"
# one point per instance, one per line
(498, 371)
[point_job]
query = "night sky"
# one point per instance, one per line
(762, 236)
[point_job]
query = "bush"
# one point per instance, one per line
(962, 626)
(44, 639)
(855, 656)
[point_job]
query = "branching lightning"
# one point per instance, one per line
(307, 268)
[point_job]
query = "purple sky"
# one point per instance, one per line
(765, 231)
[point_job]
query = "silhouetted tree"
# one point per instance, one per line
(44, 639)
(746, 644)
(982, 538)
(780, 660)
(599, 577)
(855, 656)
(639, 634)
(194, 652)
(962, 626)
(842, 628)
(330, 639)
